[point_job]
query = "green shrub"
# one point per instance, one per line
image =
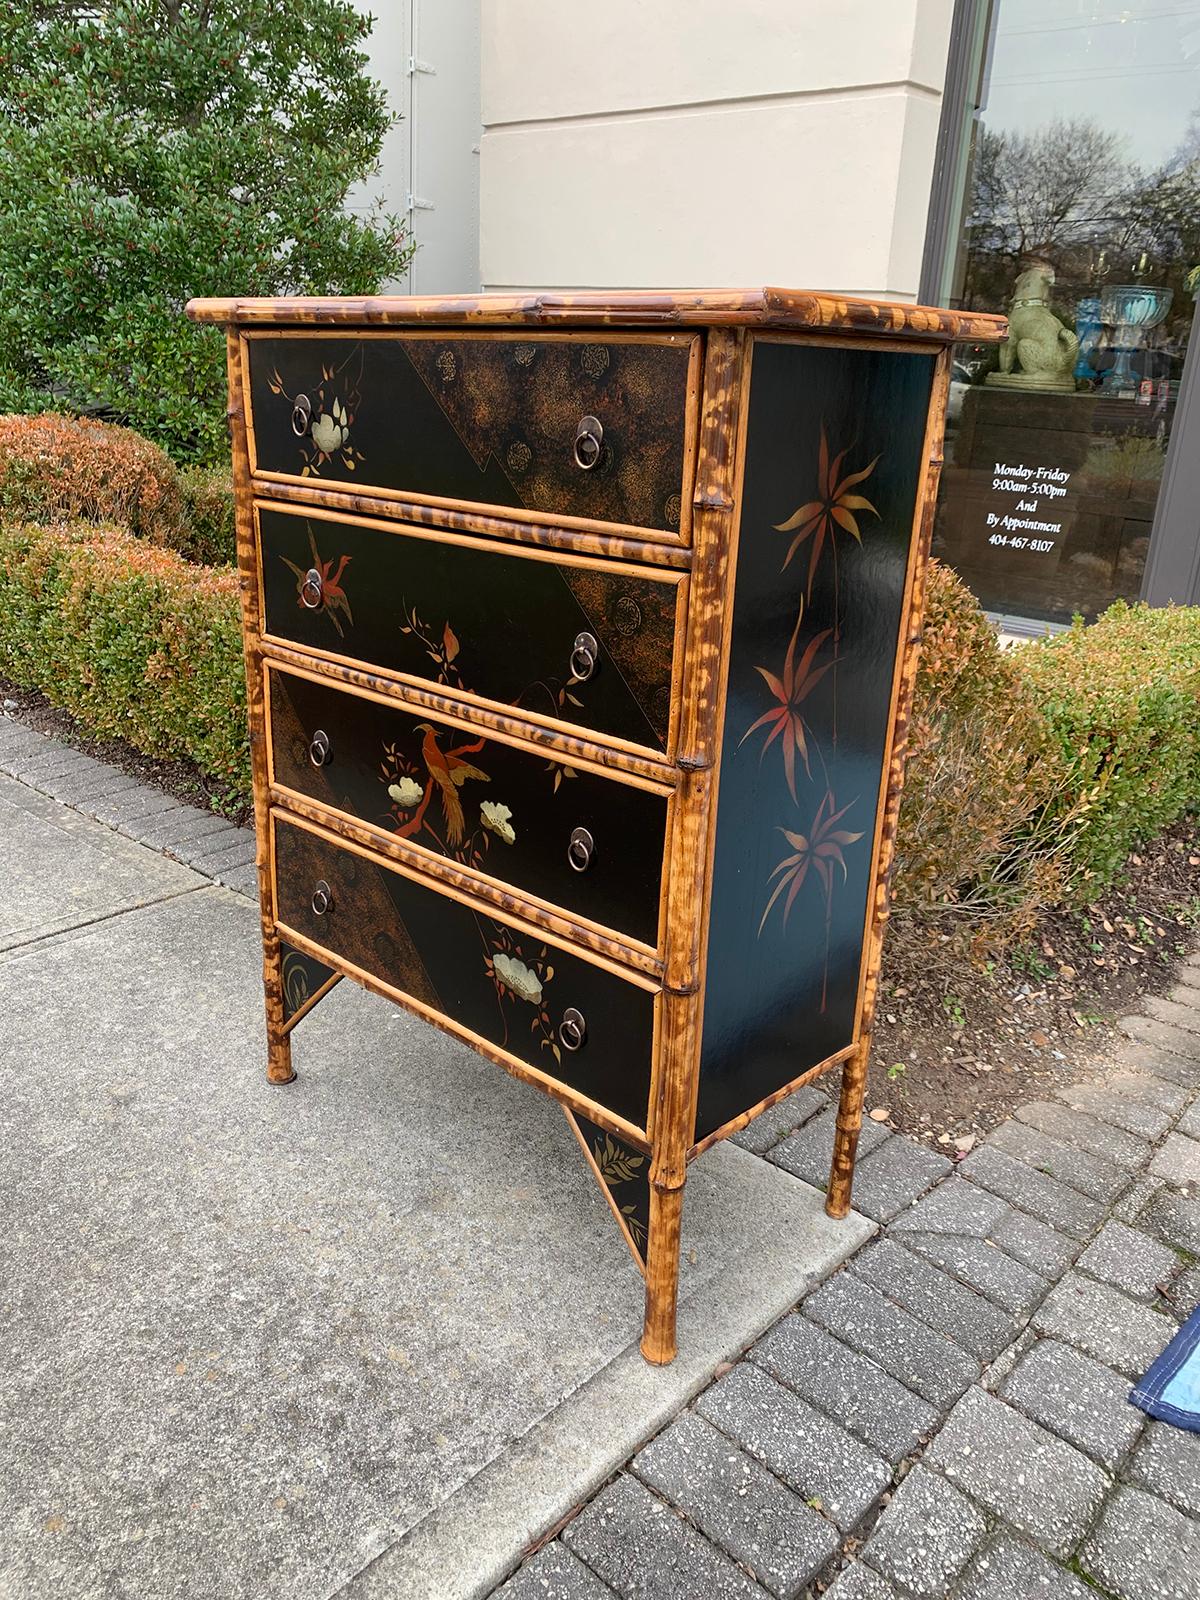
(1121, 703)
(155, 151)
(55, 468)
(132, 640)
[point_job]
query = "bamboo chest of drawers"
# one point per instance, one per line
(580, 638)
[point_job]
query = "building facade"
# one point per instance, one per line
(1035, 156)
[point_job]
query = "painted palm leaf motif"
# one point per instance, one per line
(823, 850)
(835, 507)
(789, 689)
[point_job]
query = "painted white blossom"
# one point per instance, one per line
(331, 429)
(496, 818)
(515, 975)
(406, 793)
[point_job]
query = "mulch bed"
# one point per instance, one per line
(959, 1044)
(182, 780)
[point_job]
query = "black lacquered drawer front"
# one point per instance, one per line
(586, 644)
(577, 426)
(504, 986)
(588, 844)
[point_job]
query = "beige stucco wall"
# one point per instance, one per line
(699, 142)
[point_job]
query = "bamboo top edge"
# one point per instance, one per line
(651, 308)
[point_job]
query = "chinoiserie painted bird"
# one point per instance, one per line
(449, 772)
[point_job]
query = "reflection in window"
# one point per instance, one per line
(1082, 221)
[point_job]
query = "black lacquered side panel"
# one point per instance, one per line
(303, 975)
(479, 619)
(491, 420)
(503, 985)
(833, 465)
(475, 800)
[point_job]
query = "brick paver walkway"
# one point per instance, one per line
(948, 1414)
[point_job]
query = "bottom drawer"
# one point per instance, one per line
(507, 987)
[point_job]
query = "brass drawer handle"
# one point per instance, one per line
(579, 850)
(584, 656)
(572, 1030)
(322, 899)
(589, 443)
(312, 590)
(301, 415)
(319, 748)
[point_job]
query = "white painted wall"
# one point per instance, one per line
(690, 143)
(429, 165)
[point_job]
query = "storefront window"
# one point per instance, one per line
(1080, 218)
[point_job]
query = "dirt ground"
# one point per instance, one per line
(957, 1045)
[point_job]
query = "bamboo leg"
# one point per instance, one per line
(279, 1040)
(662, 1275)
(845, 1135)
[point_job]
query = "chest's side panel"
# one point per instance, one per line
(833, 464)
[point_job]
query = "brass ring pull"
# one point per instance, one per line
(572, 1030)
(322, 898)
(301, 415)
(319, 748)
(589, 443)
(579, 850)
(312, 589)
(584, 656)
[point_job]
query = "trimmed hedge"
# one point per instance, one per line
(57, 468)
(130, 638)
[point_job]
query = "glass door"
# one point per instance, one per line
(1076, 210)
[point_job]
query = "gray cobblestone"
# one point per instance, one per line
(1045, 1198)
(1167, 1463)
(645, 1551)
(1078, 1399)
(893, 1176)
(983, 1266)
(926, 1535)
(1134, 1116)
(143, 829)
(242, 880)
(169, 831)
(68, 788)
(954, 1207)
(1136, 1198)
(1129, 1260)
(554, 1574)
(1168, 1040)
(1143, 1549)
(1019, 1471)
(857, 1582)
(849, 1387)
(1172, 1013)
(1102, 1322)
(1009, 1570)
(1175, 1218)
(197, 850)
(738, 1504)
(972, 1322)
(45, 763)
(1177, 1160)
(782, 1119)
(1036, 1244)
(1189, 1122)
(1187, 994)
(1091, 1175)
(15, 736)
(106, 787)
(921, 1359)
(1184, 1295)
(808, 1450)
(1152, 1091)
(808, 1152)
(237, 853)
(126, 807)
(1098, 1138)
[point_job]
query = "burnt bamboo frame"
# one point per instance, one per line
(687, 773)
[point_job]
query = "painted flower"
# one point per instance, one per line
(331, 429)
(515, 975)
(497, 819)
(406, 793)
(834, 508)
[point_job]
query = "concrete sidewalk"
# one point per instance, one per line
(254, 1341)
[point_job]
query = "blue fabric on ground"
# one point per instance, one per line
(1171, 1389)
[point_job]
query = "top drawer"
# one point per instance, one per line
(563, 427)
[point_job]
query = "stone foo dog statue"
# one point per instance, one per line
(1043, 349)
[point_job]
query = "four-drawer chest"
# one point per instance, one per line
(580, 639)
